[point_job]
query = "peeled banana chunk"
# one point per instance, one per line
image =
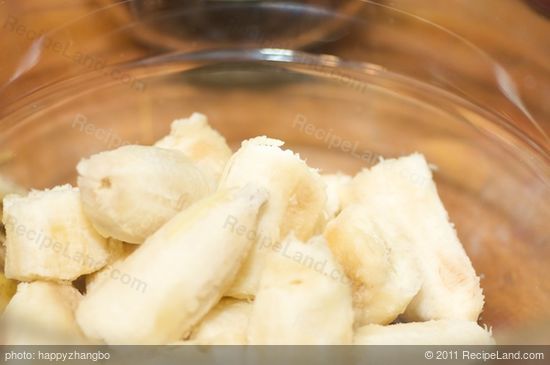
(440, 332)
(225, 324)
(304, 298)
(49, 237)
(7, 286)
(379, 260)
(296, 201)
(6, 187)
(200, 143)
(42, 313)
(130, 192)
(403, 193)
(186, 266)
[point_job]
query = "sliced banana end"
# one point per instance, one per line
(130, 192)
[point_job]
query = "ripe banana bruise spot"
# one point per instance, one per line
(187, 265)
(296, 201)
(50, 238)
(304, 298)
(42, 313)
(378, 259)
(130, 192)
(200, 143)
(403, 193)
(225, 324)
(433, 333)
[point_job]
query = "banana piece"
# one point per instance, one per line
(7, 290)
(128, 193)
(304, 298)
(48, 237)
(225, 324)
(403, 193)
(122, 251)
(6, 187)
(296, 201)
(201, 143)
(336, 185)
(378, 259)
(42, 313)
(187, 265)
(433, 333)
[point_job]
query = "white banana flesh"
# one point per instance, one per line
(403, 192)
(42, 313)
(433, 333)
(225, 324)
(122, 251)
(296, 201)
(186, 266)
(130, 192)
(201, 143)
(378, 259)
(48, 237)
(304, 298)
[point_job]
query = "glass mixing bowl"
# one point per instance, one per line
(337, 109)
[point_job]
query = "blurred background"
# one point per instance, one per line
(495, 53)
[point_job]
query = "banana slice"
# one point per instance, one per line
(296, 201)
(201, 143)
(42, 313)
(433, 333)
(378, 259)
(304, 298)
(186, 265)
(48, 237)
(7, 290)
(336, 185)
(122, 251)
(128, 193)
(225, 324)
(402, 192)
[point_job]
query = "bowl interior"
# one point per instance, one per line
(339, 117)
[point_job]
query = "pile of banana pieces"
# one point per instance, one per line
(184, 242)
